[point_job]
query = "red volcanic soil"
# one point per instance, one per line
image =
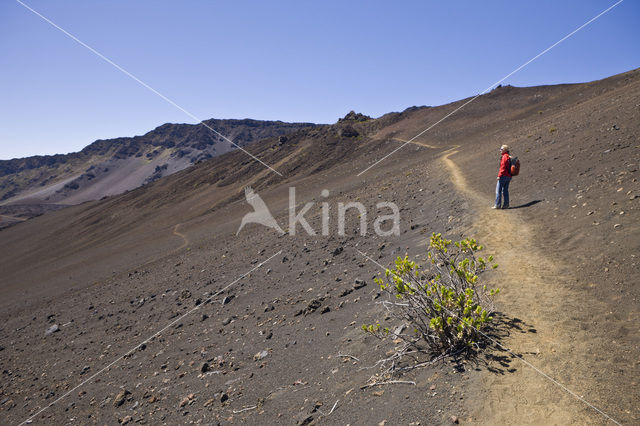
(282, 344)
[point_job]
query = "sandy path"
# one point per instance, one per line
(185, 240)
(532, 291)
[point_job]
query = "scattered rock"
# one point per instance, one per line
(187, 400)
(260, 355)
(305, 421)
(454, 419)
(358, 284)
(224, 397)
(313, 305)
(337, 251)
(121, 397)
(204, 367)
(185, 294)
(325, 310)
(226, 321)
(54, 328)
(227, 299)
(345, 292)
(126, 420)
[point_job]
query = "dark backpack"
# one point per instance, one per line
(514, 166)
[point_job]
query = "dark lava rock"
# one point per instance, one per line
(312, 306)
(348, 132)
(354, 116)
(345, 292)
(359, 284)
(305, 421)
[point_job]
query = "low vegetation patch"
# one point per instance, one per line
(443, 308)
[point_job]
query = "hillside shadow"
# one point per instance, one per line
(529, 204)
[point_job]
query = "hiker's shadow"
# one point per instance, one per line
(529, 204)
(493, 355)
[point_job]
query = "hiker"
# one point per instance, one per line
(504, 178)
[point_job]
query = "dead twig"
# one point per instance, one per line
(433, 361)
(349, 356)
(253, 407)
(390, 382)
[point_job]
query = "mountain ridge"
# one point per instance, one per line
(71, 178)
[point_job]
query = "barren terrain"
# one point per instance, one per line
(164, 315)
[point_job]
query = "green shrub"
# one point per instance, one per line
(446, 306)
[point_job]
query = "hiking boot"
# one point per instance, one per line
(505, 207)
(495, 207)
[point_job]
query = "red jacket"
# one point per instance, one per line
(505, 166)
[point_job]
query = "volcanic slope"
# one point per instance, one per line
(282, 344)
(34, 185)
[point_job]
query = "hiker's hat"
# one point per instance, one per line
(505, 147)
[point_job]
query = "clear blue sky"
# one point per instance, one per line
(289, 60)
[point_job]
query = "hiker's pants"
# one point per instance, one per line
(502, 191)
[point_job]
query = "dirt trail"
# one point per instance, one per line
(421, 143)
(531, 290)
(181, 235)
